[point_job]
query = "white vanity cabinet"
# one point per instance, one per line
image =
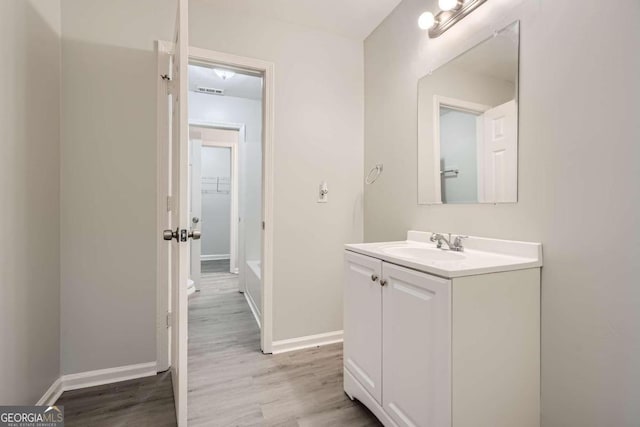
(427, 351)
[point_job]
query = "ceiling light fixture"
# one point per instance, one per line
(452, 11)
(224, 74)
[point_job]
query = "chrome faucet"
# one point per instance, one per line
(456, 245)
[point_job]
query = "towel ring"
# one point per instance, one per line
(373, 174)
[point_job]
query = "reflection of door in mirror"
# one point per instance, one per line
(498, 154)
(468, 125)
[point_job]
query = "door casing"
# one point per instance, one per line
(163, 300)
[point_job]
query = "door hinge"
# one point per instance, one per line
(169, 204)
(169, 319)
(170, 83)
(263, 225)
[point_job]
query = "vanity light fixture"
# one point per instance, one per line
(452, 11)
(224, 74)
(448, 4)
(426, 20)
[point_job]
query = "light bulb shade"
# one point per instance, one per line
(447, 4)
(426, 20)
(224, 74)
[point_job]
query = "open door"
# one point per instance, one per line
(499, 154)
(180, 232)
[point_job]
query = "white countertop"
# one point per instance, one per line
(480, 255)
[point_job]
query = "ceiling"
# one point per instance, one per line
(351, 18)
(240, 85)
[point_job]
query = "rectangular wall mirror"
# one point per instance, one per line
(468, 125)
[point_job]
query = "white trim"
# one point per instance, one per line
(52, 394)
(108, 376)
(96, 378)
(456, 104)
(267, 70)
(215, 257)
(253, 307)
(309, 341)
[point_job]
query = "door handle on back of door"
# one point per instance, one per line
(170, 234)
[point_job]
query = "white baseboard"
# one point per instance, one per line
(309, 341)
(95, 378)
(214, 257)
(108, 376)
(52, 394)
(254, 309)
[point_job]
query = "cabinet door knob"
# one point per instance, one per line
(374, 277)
(383, 282)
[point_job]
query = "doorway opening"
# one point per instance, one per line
(225, 116)
(230, 116)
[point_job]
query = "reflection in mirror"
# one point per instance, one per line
(468, 125)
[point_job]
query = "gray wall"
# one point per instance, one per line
(108, 198)
(29, 194)
(578, 174)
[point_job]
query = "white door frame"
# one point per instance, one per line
(266, 70)
(456, 104)
(235, 212)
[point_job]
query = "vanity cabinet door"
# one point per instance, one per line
(363, 321)
(416, 312)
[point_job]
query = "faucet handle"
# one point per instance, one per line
(457, 243)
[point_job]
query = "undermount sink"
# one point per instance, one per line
(422, 253)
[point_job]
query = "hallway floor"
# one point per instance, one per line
(231, 383)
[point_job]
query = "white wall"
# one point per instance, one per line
(578, 191)
(318, 136)
(108, 178)
(29, 195)
(216, 201)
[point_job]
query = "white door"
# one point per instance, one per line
(180, 213)
(416, 349)
(195, 206)
(500, 154)
(363, 321)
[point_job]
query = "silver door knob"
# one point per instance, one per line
(195, 234)
(195, 220)
(374, 277)
(170, 234)
(383, 282)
